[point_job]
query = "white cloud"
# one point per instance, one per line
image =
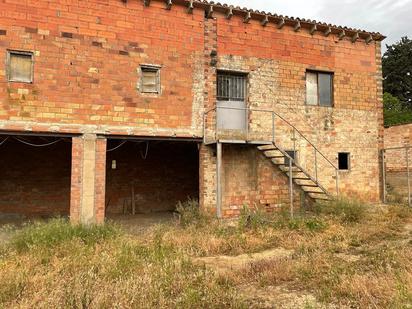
(389, 17)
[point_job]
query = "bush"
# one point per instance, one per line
(252, 218)
(57, 231)
(190, 214)
(349, 211)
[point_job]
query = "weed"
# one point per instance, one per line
(57, 231)
(190, 213)
(349, 211)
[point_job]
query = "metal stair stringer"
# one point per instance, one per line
(299, 174)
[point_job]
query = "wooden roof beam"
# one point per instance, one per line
(190, 7)
(341, 35)
(169, 4)
(209, 11)
(229, 13)
(146, 2)
(297, 26)
(327, 31)
(281, 23)
(247, 17)
(265, 21)
(313, 29)
(355, 37)
(369, 39)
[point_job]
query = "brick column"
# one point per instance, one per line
(87, 201)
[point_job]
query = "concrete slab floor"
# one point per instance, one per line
(140, 222)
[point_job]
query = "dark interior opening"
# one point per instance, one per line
(34, 176)
(292, 154)
(151, 175)
(343, 159)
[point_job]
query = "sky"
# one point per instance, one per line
(392, 18)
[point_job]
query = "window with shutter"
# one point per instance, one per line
(20, 66)
(150, 79)
(319, 88)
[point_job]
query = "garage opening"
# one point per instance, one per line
(34, 177)
(150, 177)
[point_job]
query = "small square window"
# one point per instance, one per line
(150, 79)
(20, 66)
(292, 154)
(319, 88)
(344, 161)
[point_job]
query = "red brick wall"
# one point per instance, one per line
(170, 173)
(87, 55)
(398, 136)
(35, 181)
(251, 180)
(76, 178)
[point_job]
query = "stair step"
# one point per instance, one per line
(323, 198)
(267, 147)
(308, 185)
(273, 157)
(315, 192)
(301, 178)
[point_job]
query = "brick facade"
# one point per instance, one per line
(397, 136)
(87, 56)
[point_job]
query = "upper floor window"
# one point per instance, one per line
(319, 88)
(231, 86)
(20, 66)
(150, 79)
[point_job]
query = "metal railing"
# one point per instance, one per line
(396, 174)
(267, 126)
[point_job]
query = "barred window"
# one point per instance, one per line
(150, 79)
(20, 66)
(231, 87)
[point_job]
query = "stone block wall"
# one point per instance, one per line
(398, 136)
(87, 56)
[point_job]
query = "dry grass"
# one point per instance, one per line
(344, 254)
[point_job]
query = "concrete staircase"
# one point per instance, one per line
(300, 177)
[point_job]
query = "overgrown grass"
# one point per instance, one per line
(55, 264)
(348, 211)
(344, 253)
(58, 231)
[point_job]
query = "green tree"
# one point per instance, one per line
(394, 111)
(397, 70)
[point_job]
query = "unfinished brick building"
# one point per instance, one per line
(108, 105)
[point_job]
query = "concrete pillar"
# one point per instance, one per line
(87, 201)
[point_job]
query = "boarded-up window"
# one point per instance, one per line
(231, 87)
(150, 79)
(20, 66)
(319, 88)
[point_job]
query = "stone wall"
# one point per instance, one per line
(87, 55)
(397, 136)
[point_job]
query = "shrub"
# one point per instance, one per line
(252, 218)
(349, 211)
(57, 231)
(190, 213)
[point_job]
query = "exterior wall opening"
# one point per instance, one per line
(344, 161)
(150, 177)
(34, 176)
